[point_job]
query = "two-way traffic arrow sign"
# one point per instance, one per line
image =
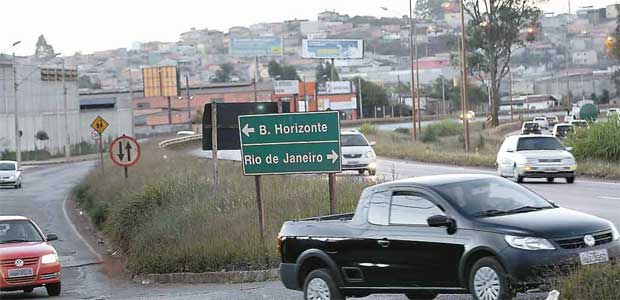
(125, 151)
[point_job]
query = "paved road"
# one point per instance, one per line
(46, 188)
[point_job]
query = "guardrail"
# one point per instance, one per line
(180, 140)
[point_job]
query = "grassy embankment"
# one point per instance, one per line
(597, 150)
(167, 219)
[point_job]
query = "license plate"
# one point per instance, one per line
(16, 273)
(353, 162)
(551, 170)
(594, 257)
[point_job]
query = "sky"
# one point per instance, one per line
(87, 26)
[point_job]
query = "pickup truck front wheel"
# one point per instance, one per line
(319, 285)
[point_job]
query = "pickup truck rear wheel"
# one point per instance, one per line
(488, 281)
(320, 285)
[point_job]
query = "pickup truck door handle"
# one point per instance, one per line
(383, 243)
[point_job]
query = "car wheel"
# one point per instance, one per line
(421, 295)
(361, 172)
(550, 179)
(515, 175)
(372, 172)
(53, 289)
(319, 285)
(488, 281)
(570, 179)
(28, 290)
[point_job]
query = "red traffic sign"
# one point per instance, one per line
(125, 151)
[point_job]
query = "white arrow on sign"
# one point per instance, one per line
(333, 156)
(247, 130)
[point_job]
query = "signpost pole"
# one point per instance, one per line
(259, 206)
(214, 139)
(126, 174)
(101, 153)
(332, 193)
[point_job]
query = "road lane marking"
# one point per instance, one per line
(609, 198)
(77, 233)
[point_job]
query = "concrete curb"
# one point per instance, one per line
(209, 277)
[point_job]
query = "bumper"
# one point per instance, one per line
(544, 171)
(359, 164)
(288, 276)
(533, 268)
(8, 183)
(45, 275)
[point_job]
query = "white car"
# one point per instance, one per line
(10, 174)
(535, 156)
(562, 130)
(357, 153)
(542, 122)
(579, 123)
(613, 111)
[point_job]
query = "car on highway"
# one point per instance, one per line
(540, 156)
(10, 174)
(530, 128)
(542, 122)
(579, 123)
(552, 120)
(471, 115)
(613, 111)
(456, 234)
(27, 259)
(357, 153)
(562, 130)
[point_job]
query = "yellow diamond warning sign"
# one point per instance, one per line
(99, 124)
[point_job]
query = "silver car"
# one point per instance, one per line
(535, 156)
(10, 174)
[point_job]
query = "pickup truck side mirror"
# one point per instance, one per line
(510, 150)
(439, 221)
(51, 237)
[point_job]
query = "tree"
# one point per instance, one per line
(477, 94)
(282, 71)
(373, 95)
(429, 10)
(324, 73)
(224, 73)
(493, 32)
(43, 49)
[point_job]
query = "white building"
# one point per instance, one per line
(530, 102)
(588, 58)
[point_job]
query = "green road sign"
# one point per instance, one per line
(290, 143)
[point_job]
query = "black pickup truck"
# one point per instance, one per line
(449, 234)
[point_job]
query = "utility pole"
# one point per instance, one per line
(18, 151)
(417, 79)
(359, 86)
(189, 98)
(443, 93)
(464, 70)
(256, 79)
(413, 111)
(510, 87)
(66, 121)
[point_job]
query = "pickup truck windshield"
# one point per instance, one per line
(539, 143)
(487, 197)
(18, 231)
(7, 167)
(353, 140)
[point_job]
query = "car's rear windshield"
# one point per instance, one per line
(352, 140)
(18, 231)
(565, 129)
(7, 167)
(539, 143)
(531, 125)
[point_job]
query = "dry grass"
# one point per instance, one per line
(169, 202)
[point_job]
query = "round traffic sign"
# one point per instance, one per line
(125, 151)
(95, 135)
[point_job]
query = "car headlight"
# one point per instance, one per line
(49, 259)
(614, 232)
(528, 243)
(371, 154)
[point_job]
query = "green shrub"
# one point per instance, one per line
(367, 128)
(600, 141)
(402, 130)
(591, 282)
(434, 131)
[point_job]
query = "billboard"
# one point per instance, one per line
(328, 48)
(335, 87)
(286, 87)
(160, 81)
(255, 46)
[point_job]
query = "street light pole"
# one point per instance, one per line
(66, 112)
(464, 70)
(18, 151)
(413, 110)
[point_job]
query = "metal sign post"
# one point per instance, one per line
(214, 145)
(99, 124)
(125, 152)
(291, 143)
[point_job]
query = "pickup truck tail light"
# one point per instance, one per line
(279, 245)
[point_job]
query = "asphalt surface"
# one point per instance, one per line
(45, 190)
